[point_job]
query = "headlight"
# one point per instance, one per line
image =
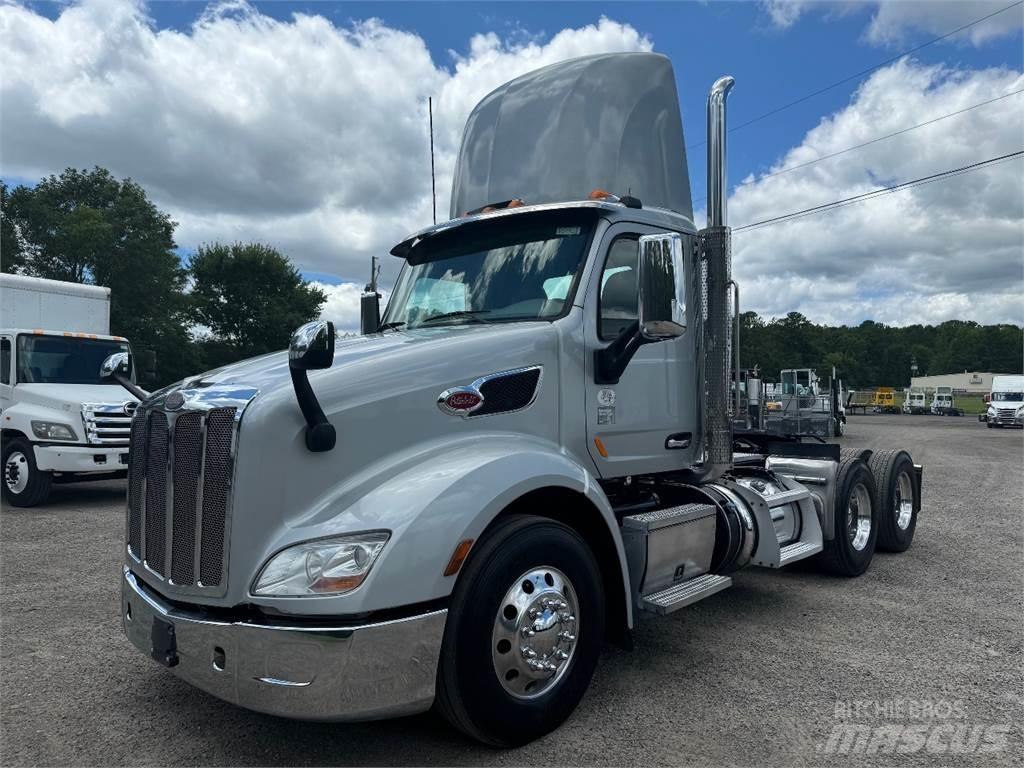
(991, 411)
(49, 430)
(323, 567)
(1020, 411)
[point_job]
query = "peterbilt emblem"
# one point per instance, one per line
(461, 400)
(174, 401)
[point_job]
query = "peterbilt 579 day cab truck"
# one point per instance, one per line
(1006, 406)
(532, 451)
(63, 418)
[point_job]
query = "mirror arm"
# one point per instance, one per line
(320, 434)
(138, 392)
(610, 362)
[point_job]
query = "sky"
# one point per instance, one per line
(304, 125)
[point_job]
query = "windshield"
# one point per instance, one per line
(522, 267)
(63, 359)
(1007, 397)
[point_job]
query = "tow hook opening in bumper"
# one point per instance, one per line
(302, 671)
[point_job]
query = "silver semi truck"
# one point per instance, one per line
(530, 452)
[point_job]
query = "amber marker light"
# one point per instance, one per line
(458, 557)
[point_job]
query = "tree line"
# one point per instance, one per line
(227, 302)
(872, 354)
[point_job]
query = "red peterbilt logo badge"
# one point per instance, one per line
(463, 401)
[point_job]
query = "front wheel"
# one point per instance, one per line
(524, 632)
(850, 550)
(25, 485)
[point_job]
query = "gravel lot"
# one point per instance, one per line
(757, 675)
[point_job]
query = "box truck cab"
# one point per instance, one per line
(943, 404)
(1006, 405)
(63, 418)
(914, 401)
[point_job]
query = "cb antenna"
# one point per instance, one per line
(433, 184)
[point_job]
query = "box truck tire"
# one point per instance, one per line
(525, 629)
(24, 484)
(849, 553)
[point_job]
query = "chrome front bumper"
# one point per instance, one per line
(303, 671)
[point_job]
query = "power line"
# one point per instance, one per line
(863, 72)
(868, 143)
(878, 192)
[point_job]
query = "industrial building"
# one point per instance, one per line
(973, 382)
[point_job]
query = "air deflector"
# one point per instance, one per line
(609, 122)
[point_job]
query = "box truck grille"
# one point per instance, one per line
(108, 423)
(179, 493)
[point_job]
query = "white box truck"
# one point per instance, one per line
(1006, 406)
(529, 451)
(62, 417)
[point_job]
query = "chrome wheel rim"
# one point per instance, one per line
(535, 631)
(16, 472)
(903, 501)
(858, 517)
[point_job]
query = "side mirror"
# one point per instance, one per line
(369, 312)
(117, 364)
(118, 367)
(662, 299)
(312, 346)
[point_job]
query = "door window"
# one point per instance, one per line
(5, 361)
(617, 306)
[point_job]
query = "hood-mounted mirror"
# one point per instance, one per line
(118, 367)
(312, 348)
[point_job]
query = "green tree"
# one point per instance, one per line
(250, 297)
(12, 258)
(88, 226)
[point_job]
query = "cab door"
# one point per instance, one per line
(6, 371)
(646, 421)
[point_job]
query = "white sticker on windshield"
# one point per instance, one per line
(566, 231)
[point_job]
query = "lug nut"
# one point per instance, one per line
(528, 652)
(567, 636)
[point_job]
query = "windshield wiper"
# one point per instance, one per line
(469, 314)
(391, 325)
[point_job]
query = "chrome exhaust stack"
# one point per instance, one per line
(716, 269)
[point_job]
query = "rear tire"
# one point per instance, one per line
(897, 499)
(486, 688)
(24, 484)
(850, 550)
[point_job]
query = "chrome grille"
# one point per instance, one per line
(1007, 413)
(216, 481)
(107, 423)
(181, 465)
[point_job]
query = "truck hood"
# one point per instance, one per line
(388, 353)
(69, 397)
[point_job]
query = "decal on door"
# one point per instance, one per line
(605, 406)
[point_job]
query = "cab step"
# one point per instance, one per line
(681, 595)
(798, 551)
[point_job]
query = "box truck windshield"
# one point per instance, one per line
(64, 359)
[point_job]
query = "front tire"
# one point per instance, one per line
(25, 485)
(524, 632)
(897, 499)
(850, 550)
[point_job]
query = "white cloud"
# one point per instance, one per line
(951, 249)
(892, 20)
(299, 133)
(342, 305)
(313, 138)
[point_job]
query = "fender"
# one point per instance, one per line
(443, 496)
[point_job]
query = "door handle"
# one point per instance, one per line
(678, 440)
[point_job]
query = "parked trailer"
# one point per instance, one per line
(468, 500)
